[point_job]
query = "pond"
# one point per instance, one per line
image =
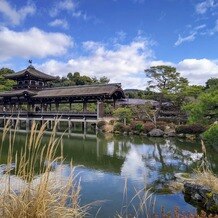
(106, 163)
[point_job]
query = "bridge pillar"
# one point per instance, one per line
(84, 126)
(69, 126)
(100, 109)
(84, 106)
(27, 124)
(18, 124)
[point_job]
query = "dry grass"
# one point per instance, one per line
(34, 190)
(204, 175)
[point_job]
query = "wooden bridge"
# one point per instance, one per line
(31, 100)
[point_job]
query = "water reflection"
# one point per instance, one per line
(104, 162)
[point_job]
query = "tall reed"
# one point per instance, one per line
(33, 189)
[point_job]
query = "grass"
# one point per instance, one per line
(204, 175)
(34, 190)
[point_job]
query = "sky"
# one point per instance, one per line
(118, 39)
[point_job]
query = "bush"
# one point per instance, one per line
(101, 123)
(190, 129)
(111, 122)
(161, 125)
(123, 113)
(148, 127)
(137, 126)
(119, 127)
(211, 135)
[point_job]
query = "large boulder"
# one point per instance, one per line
(156, 133)
(202, 196)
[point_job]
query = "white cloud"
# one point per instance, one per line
(215, 29)
(204, 6)
(122, 63)
(198, 71)
(70, 6)
(14, 16)
(200, 27)
(32, 43)
(63, 5)
(59, 22)
(188, 38)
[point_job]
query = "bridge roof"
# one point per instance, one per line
(82, 91)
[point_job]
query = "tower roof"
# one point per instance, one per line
(30, 71)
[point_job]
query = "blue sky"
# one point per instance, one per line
(113, 38)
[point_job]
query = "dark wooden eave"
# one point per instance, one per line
(32, 72)
(17, 93)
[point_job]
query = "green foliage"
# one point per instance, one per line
(212, 83)
(211, 135)
(5, 84)
(137, 126)
(190, 129)
(77, 79)
(204, 109)
(167, 81)
(101, 123)
(123, 113)
(120, 127)
(148, 127)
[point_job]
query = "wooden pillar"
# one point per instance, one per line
(100, 109)
(57, 106)
(18, 124)
(33, 107)
(51, 124)
(84, 126)
(69, 126)
(41, 105)
(85, 106)
(28, 107)
(27, 124)
(70, 106)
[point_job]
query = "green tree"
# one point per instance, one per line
(5, 84)
(124, 114)
(165, 80)
(205, 109)
(104, 80)
(212, 83)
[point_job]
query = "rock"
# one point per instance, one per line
(156, 133)
(170, 133)
(201, 195)
(181, 135)
(191, 137)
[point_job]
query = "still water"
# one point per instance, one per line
(104, 164)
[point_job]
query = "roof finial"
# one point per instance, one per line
(30, 62)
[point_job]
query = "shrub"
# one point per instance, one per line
(111, 122)
(137, 126)
(190, 129)
(123, 113)
(161, 125)
(101, 123)
(119, 127)
(148, 127)
(211, 135)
